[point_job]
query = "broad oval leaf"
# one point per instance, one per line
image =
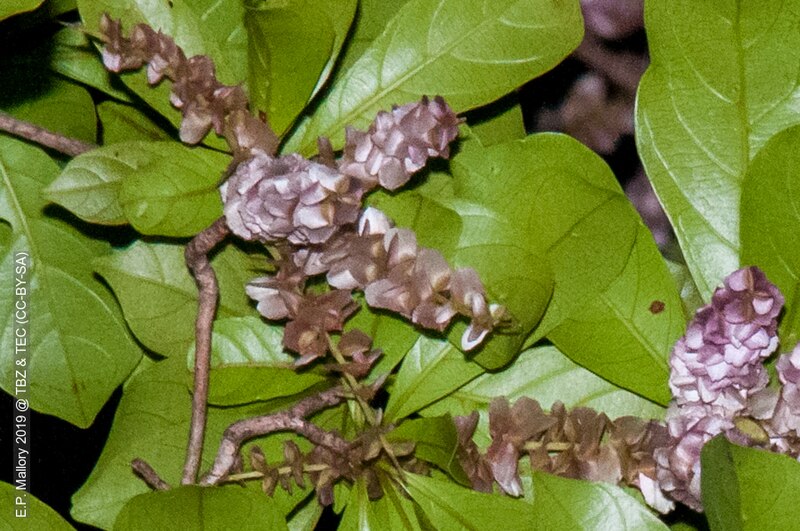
(214, 508)
(159, 297)
(471, 52)
(79, 349)
(722, 81)
(248, 363)
(747, 488)
(161, 188)
(771, 222)
(283, 75)
(562, 504)
(432, 369)
(562, 200)
(173, 190)
(33, 515)
(450, 506)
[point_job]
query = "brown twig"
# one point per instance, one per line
(40, 135)
(150, 476)
(197, 259)
(292, 420)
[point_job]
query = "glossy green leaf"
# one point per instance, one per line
(432, 369)
(471, 52)
(211, 27)
(123, 123)
(371, 20)
(151, 423)
(14, 7)
(215, 508)
(282, 74)
(249, 365)
(162, 188)
(436, 441)
(172, 190)
(73, 56)
(722, 81)
(690, 296)
(566, 504)
(159, 297)
(79, 350)
(750, 489)
(449, 506)
(558, 197)
(626, 333)
(57, 105)
(392, 511)
(546, 375)
(771, 220)
(23, 511)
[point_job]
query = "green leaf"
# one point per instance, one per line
(123, 123)
(57, 105)
(22, 511)
(471, 52)
(171, 189)
(14, 7)
(566, 504)
(451, 506)
(371, 20)
(626, 333)
(162, 188)
(201, 27)
(215, 508)
(556, 196)
(159, 297)
(282, 74)
(436, 441)
(720, 486)
(546, 375)
(79, 350)
(151, 423)
(771, 220)
(746, 488)
(431, 370)
(249, 365)
(73, 56)
(692, 301)
(722, 80)
(391, 511)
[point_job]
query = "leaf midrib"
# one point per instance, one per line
(43, 278)
(429, 59)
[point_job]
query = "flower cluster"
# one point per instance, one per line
(399, 143)
(580, 443)
(204, 101)
(717, 366)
